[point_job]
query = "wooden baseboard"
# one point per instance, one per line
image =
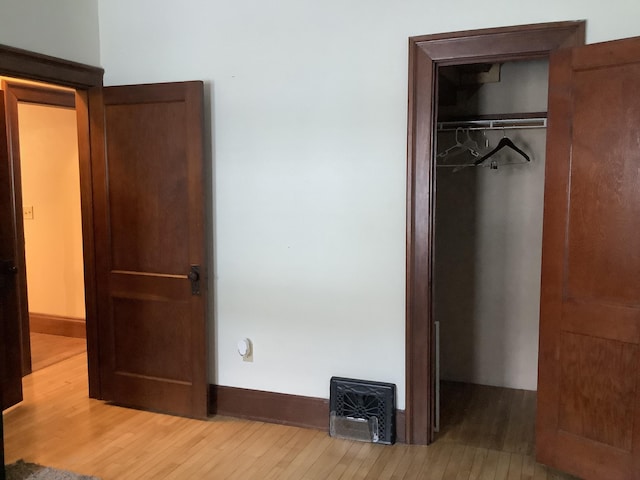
(56, 325)
(281, 408)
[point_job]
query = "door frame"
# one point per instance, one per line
(426, 55)
(27, 65)
(40, 95)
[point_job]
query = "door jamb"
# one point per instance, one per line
(34, 66)
(42, 95)
(426, 55)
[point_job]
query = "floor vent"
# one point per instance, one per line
(362, 410)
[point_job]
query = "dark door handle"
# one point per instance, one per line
(194, 278)
(7, 267)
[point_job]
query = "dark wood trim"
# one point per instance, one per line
(40, 94)
(11, 113)
(20, 63)
(280, 408)
(269, 407)
(426, 55)
(19, 92)
(33, 66)
(85, 157)
(57, 325)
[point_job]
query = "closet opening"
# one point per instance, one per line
(489, 150)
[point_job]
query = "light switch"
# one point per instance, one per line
(27, 213)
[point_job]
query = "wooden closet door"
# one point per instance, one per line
(588, 418)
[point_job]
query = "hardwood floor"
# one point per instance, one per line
(59, 426)
(49, 349)
(496, 418)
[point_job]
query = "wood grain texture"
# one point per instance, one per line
(49, 349)
(426, 55)
(148, 190)
(598, 389)
(57, 325)
(604, 213)
(588, 401)
(58, 425)
(15, 62)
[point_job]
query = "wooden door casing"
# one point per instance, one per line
(149, 217)
(35, 94)
(426, 54)
(589, 366)
(27, 65)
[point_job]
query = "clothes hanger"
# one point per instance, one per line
(504, 142)
(467, 145)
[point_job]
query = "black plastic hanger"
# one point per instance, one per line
(504, 142)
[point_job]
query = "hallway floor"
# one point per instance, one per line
(49, 349)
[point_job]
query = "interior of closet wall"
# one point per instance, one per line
(488, 227)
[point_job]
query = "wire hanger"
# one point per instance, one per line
(504, 142)
(467, 145)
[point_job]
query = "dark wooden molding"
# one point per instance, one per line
(57, 325)
(33, 66)
(37, 94)
(426, 55)
(280, 408)
(85, 157)
(269, 407)
(20, 63)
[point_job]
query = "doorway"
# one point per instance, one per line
(426, 56)
(489, 193)
(18, 63)
(43, 138)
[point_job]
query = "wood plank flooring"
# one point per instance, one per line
(49, 349)
(58, 425)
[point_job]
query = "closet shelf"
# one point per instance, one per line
(495, 122)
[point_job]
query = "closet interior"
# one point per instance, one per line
(489, 183)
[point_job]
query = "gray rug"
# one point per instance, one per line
(30, 471)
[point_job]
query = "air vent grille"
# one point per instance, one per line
(363, 410)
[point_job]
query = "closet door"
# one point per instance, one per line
(588, 420)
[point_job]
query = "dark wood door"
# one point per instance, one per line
(150, 231)
(588, 418)
(10, 351)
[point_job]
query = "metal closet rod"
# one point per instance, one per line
(496, 122)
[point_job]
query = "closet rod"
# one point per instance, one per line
(493, 124)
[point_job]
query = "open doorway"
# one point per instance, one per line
(44, 148)
(427, 56)
(489, 181)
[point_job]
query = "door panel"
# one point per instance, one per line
(149, 232)
(10, 350)
(588, 420)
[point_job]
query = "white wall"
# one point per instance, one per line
(308, 117)
(62, 28)
(51, 185)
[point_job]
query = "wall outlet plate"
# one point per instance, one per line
(27, 213)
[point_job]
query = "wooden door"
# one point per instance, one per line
(150, 239)
(10, 351)
(588, 419)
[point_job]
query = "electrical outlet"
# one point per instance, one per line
(27, 213)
